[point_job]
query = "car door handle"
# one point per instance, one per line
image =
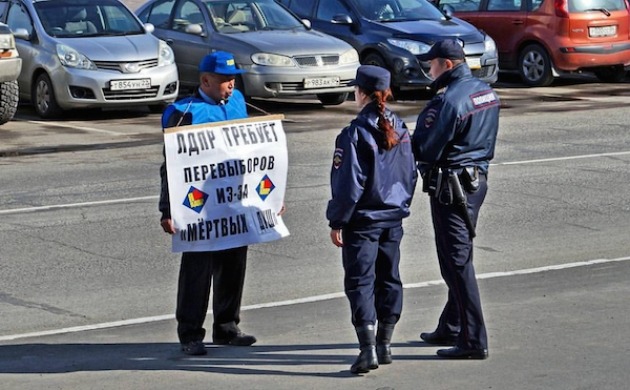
(517, 21)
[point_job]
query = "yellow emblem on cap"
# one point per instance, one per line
(230, 62)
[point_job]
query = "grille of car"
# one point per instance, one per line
(484, 71)
(119, 66)
(131, 94)
(317, 60)
(299, 87)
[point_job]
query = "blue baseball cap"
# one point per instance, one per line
(372, 78)
(219, 62)
(448, 48)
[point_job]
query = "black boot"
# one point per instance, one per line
(383, 343)
(366, 360)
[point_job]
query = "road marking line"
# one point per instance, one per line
(316, 298)
(154, 197)
(69, 126)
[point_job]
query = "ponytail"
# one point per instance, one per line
(390, 137)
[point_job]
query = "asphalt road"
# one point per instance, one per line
(87, 282)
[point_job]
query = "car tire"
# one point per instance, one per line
(611, 74)
(332, 99)
(534, 66)
(8, 100)
(374, 59)
(43, 98)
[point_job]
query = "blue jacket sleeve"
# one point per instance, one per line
(347, 180)
(435, 128)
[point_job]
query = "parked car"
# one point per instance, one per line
(88, 53)
(282, 57)
(10, 65)
(393, 33)
(545, 38)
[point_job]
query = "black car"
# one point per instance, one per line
(392, 33)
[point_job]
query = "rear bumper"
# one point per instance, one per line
(577, 57)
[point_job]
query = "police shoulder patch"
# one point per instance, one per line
(337, 158)
(430, 117)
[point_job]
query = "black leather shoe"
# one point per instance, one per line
(194, 348)
(436, 338)
(461, 353)
(240, 340)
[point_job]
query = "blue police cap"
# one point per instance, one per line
(448, 48)
(372, 78)
(219, 62)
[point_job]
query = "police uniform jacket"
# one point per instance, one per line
(371, 186)
(458, 127)
(193, 110)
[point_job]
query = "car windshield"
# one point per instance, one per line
(87, 18)
(596, 5)
(398, 10)
(242, 16)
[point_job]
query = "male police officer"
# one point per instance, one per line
(453, 143)
(215, 100)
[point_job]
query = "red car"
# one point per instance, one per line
(542, 39)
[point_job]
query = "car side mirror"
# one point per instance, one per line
(195, 29)
(149, 27)
(448, 10)
(22, 34)
(307, 24)
(342, 19)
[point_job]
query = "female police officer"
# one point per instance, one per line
(373, 178)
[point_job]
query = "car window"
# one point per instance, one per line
(87, 18)
(187, 13)
(398, 10)
(586, 5)
(158, 13)
(300, 7)
(504, 5)
(535, 4)
(18, 18)
(461, 5)
(327, 9)
(242, 16)
(3, 8)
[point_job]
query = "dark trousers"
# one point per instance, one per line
(371, 257)
(197, 272)
(462, 313)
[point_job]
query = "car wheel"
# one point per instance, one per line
(43, 98)
(611, 74)
(374, 59)
(534, 66)
(332, 99)
(8, 100)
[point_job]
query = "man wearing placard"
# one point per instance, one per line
(216, 100)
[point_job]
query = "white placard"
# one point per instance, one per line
(226, 183)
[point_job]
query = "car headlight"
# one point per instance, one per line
(73, 59)
(267, 59)
(7, 42)
(489, 44)
(349, 57)
(165, 54)
(415, 47)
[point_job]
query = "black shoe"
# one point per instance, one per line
(436, 338)
(239, 339)
(461, 353)
(194, 348)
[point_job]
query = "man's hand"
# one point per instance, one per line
(335, 236)
(167, 225)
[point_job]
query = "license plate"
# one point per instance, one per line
(605, 31)
(473, 63)
(321, 82)
(118, 85)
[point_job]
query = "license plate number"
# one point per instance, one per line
(118, 85)
(473, 63)
(605, 31)
(321, 82)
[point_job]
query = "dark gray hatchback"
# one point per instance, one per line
(392, 33)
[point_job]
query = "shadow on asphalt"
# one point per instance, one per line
(255, 360)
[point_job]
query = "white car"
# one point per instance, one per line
(88, 53)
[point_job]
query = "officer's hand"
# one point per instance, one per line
(335, 236)
(167, 225)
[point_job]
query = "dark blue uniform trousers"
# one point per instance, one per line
(462, 313)
(197, 272)
(371, 257)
